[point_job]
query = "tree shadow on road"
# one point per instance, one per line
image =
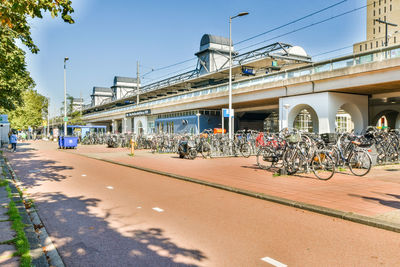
(84, 238)
(32, 170)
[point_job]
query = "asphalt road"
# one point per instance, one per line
(100, 214)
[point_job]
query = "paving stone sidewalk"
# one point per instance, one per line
(6, 233)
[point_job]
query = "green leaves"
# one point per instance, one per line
(31, 113)
(14, 78)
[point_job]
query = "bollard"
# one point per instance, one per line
(132, 148)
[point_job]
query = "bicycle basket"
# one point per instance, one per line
(293, 138)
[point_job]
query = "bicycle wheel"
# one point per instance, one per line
(245, 150)
(206, 150)
(192, 153)
(291, 161)
(264, 158)
(360, 163)
(323, 166)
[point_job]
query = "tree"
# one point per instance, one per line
(14, 78)
(31, 113)
(14, 15)
(75, 117)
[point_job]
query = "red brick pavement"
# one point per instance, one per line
(376, 195)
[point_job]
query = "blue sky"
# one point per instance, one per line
(110, 36)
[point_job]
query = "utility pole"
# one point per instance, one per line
(386, 28)
(137, 83)
(65, 96)
(48, 117)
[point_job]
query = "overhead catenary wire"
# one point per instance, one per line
(292, 22)
(331, 51)
(171, 73)
(278, 36)
(258, 35)
(305, 27)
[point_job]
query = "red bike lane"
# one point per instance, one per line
(376, 195)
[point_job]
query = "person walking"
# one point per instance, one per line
(13, 141)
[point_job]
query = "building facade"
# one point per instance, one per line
(384, 11)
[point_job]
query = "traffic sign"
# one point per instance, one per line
(225, 111)
(65, 119)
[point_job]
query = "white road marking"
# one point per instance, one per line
(110, 187)
(158, 209)
(83, 174)
(273, 262)
(139, 207)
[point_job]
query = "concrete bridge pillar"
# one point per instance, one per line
(323, 108)
(114, 126)
(124, 125)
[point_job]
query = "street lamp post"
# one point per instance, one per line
(65, 95)
(198, 122)
(48, 117)
(230, 71)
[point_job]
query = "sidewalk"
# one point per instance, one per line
(20, 247)
(375, 198)
(6, 233)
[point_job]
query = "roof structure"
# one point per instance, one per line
(260, 59)
(78, 100)
(124, 79)
(208, 38)
(101, 90)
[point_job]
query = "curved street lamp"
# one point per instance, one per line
(65, 95)
(230, 71)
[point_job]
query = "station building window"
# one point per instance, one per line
(140, 128)
(303, 121)
(344, 123)
(271, 123)
(150, 127)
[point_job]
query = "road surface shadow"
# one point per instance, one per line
(33, 171)
(85, 239)
(389, 203)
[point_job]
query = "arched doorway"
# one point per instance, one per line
(140, 127)
(386, 119)
(382, 122)
(344, 122)
(303, 117)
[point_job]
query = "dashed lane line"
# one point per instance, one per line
(158, 209)
(273, 262)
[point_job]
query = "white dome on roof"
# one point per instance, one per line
(297, 50)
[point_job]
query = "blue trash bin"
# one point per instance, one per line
(68, 141)
(60, 141)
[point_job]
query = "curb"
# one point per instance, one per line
(348, 216)
(37, 255)
(41, 245)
